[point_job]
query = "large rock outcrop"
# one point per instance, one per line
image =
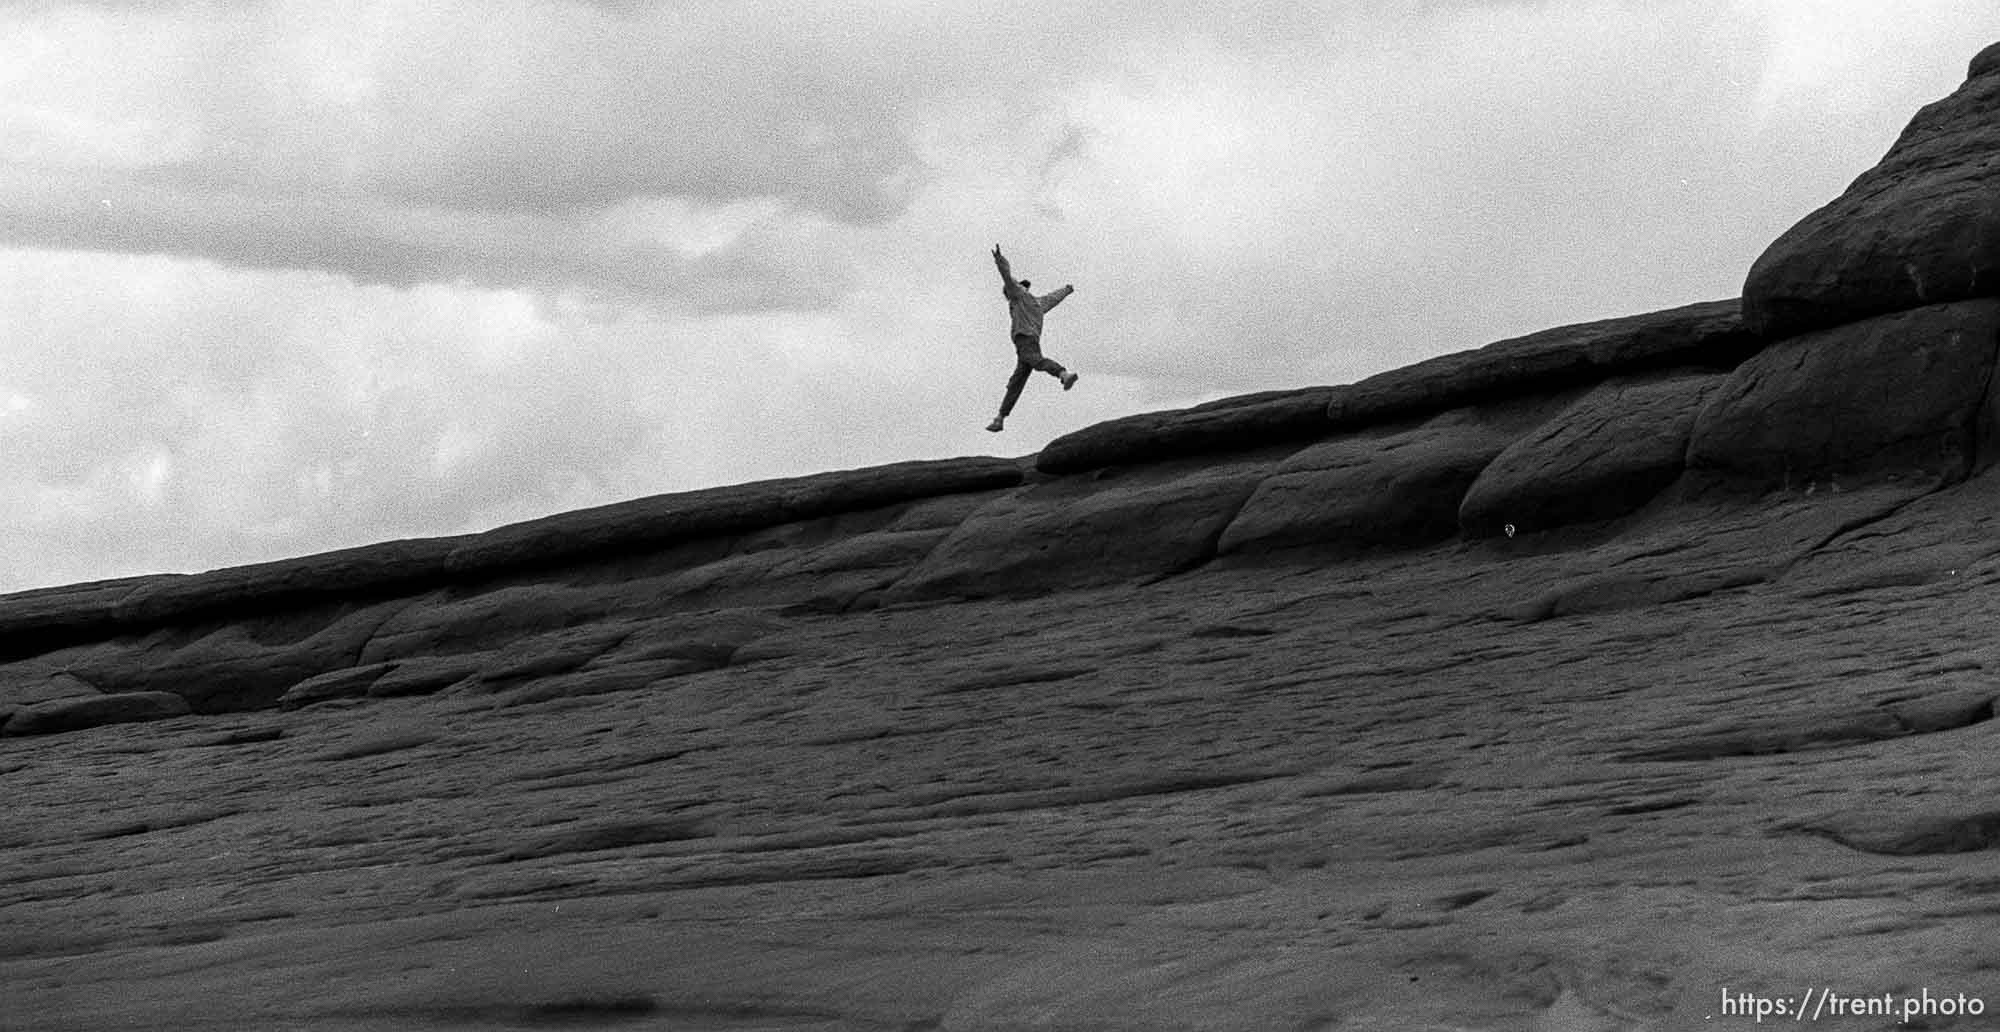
(1920, 228)
(1900, 394)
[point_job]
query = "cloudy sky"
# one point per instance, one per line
(283, 277)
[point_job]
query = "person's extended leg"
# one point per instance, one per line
(1014, 385)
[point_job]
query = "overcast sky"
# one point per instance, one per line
(277, 278)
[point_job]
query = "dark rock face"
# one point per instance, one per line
(1231, 424)
(1401, 488)
(1920, 228)
(1709, 334)
(1902, 393)
(1605, 456)
(349, 682)
(33, 687)
(82, 711)
(1085, 531)
(1986, 62)
(400, 568)
(954, 814)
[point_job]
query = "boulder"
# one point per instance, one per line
(1920, 228)
(84, 711)
(1893, 394)
(1082, 531)
(1710, 334)
(1241, 423)
(1601, 458)
(1391, 488)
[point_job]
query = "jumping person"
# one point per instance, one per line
(1026, 310)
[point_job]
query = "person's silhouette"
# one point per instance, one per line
(1026, 311)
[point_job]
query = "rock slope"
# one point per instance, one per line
(1575, 682)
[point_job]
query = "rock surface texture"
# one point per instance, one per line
(1922, 227)
(1633, 675)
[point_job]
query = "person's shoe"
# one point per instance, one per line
(997, 425)
(1068, 380)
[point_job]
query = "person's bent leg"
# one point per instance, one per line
(1055, 369)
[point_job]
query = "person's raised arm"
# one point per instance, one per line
(1007, 284)
(1055, 298)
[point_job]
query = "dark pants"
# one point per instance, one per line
(1028, 358)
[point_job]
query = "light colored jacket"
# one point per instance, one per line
(1026, 309)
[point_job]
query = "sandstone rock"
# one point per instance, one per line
(474, 620)
(712, 637)
(380, 739)
(1907, 832)
(602, 680)
(944, 513)
(1709, 334)
(1396, 488)
(1922, 227)
(949, 815)
(46, 618)
(38, 621)
(1900, 393)
(346, 574)
(1242, 423)
(73, 714)
(334, 684)
(423, 675)
(1986, 62)
(1079, 531)
(547, 655)
(1601, 458)
(1698, 549)
(635, 526)
(240, 665)
(830, 576)
(43, 688)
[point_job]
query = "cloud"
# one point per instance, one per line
(405, 143)
(400, 142)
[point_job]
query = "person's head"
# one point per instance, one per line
(1024, 284)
